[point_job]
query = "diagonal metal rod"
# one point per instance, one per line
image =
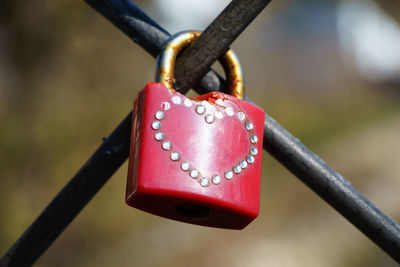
(306, 165)
(214, 41)
(115, 149)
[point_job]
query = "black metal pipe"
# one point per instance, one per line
(332, 187)
(288, 150)
(71, 199)
(214, 41)
(114, 150)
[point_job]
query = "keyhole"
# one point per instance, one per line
(191, 210)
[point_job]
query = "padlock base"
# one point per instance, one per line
(191, 208)
(195, 160)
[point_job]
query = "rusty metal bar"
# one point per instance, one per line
(288, 150)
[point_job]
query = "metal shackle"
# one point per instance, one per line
(166, 61)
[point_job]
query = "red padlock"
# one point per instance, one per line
(195, 160)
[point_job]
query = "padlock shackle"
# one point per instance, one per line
(166, 61)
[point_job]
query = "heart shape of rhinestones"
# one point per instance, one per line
(209, 117)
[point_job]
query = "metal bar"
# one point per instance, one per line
(214, 41)
(332, 187)
(71, 199)
(288, 150)
(114, 151)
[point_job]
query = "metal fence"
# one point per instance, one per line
(193, 71)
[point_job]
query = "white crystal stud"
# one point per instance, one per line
(219, 102)
(185, 166)
(210, 118)
(175, 156)
(241, 116)
(237, 169)
(228, 175)
(204, 181)
(200, 109)
(166, 145)
(194, 173)
(176, 100)
(253, 150)
(249, 126)
(165, 105)
(229, 111)
(159, 136)
(160, 115)
(253, 139)
(187, 102)
(216, 179)
(250, 159)
(219, 115)
(243, 164)
(156, 125)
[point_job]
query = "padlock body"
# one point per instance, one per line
(178, 147)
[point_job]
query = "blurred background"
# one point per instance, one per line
(328, 71)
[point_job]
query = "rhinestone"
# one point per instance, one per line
(253, 139)
(253, 151)
(228, 175)
(194, 173)
(219, 102)
(160, 115)
(156, 125)
(185, 166)
(216, 179)
(159, 136)
(166, 145)
(237, 169)
(175, 156)
(249, 126)
(187, 102)
(204, 181)
(250, 159)
(241, 116)
(200, 109)
(210, 118)
(243, 164)
(165, 105)
(229, 111)
(219, 115)
(176, 100)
